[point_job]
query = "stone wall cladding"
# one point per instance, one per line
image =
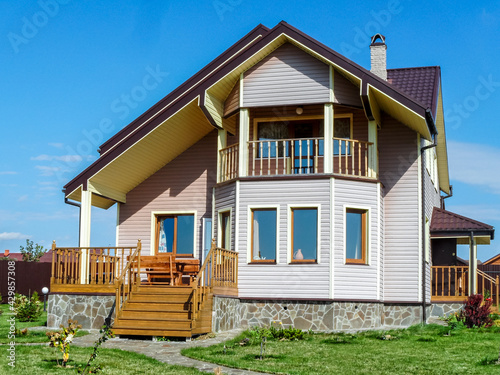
(230, 313)
(89, 311)
(441, 309)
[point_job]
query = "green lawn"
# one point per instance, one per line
(417, 350)
(40, 359)
(31, 336)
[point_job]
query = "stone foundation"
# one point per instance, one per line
(89, 311)
(230, 313)
(441, 309)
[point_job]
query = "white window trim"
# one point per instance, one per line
(152, 237)
(219, 226)
(250, 208)
(368, 234)
(204, 236)
(290, 230)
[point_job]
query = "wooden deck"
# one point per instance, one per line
(156, 295)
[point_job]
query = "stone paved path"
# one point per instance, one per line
(168, 352)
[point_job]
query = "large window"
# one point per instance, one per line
(356, 233)
(175, 234)
(304, 238)
(263, 235)
(225, 229)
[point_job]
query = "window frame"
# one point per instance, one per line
(251, 208)
(365, 230)
(220, 230)
(155, 215)
(290, 258)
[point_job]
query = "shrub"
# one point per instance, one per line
(64, 338)
(32, 252)
(476, 314)
(280, 333)
(27, 309)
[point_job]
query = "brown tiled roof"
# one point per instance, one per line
(422, 84)
(446, 221)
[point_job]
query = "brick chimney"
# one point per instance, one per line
(378, 54)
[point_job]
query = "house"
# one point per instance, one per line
(317, 179)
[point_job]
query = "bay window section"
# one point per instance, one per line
(356, 234)
(175, 235)
(304, 238)
(263, 235)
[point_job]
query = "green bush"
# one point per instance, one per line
(27, 309)
(280, 333)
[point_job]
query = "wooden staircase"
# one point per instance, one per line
(153, 310)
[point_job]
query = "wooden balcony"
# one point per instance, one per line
(451, 284)
(299, 156)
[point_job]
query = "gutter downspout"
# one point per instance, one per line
(446, 197)
(422, 176)
(67, 201)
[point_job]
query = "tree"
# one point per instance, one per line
(32, 252)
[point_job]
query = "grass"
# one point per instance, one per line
(40, 359)
(31, 336)
(417, 350)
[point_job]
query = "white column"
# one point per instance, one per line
(243, 142)
(328, 143)
(221, 143)
(372, 153)
(472, 266)
(85, 209)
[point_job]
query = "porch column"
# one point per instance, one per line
(243, 142)
(372, 150)
(328, 142)
(85, 209)
(472, 266)
(221, 143)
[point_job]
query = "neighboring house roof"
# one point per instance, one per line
(466, 261)
(16, 256)
(449, 223)
(108, 179)
(46, 258)
(420, 83)
(493, 260)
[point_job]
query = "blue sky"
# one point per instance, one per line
(70, 67)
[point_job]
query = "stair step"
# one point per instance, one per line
(152, 332)
(152, 289)
(170, 324)
(147, 314)
(155, 306)
(141, 297)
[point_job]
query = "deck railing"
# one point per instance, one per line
(452, 283)
(219, 270)
(87, 265)
(228, 167)
(352, 157)
(130, 277)
(285, 156)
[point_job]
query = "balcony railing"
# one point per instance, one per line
(279, 157)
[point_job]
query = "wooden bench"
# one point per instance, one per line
(160, 267)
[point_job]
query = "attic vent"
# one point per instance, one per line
(378, 54)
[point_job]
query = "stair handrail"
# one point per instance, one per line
(485, 275)
(130, 276)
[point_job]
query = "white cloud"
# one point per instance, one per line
(63, 158)
(13, 236)
(7, 172)
(480, 212)
(475, 164)
(22, 198)
(56, 145)
(50, 171)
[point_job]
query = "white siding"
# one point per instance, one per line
(352, 281)
(344, 91)
(225, 198)
(398, 166)
(285, 280)
(286, 76)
